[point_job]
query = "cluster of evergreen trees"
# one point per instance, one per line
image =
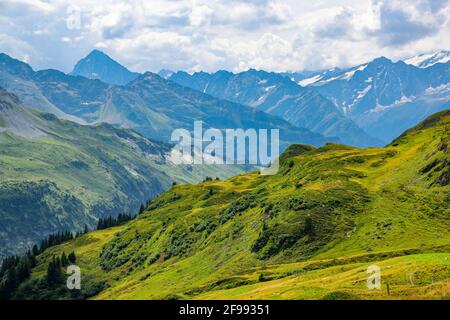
(55, 239)
(207, 178)
(112, 222)
(16, 269)
(55, 274)
(13, 272)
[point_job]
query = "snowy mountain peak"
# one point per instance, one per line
(428, 59)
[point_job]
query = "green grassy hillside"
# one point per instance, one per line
(308, 232)
(58, 175)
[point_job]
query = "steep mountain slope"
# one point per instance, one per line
(278, 95)
(373, 94)
(150, 104)
(17, 119)
(58, 175)
(98, 65)
(17, 77)
(309, 232)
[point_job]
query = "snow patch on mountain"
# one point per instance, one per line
(381, 108)
(332, 75)
(444, 88)
(309, 81)
(165, 74)
(359, 95)
(362, 93)
(429, 59)
(269, 88)
(329, 80)
(348, 75)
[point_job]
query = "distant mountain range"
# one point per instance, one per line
(427, 60)
(366, 105)
(384, 97)
(279, 96)
(149, 104)
(56, 175)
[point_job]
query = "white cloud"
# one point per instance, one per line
(16, 48)
(269, 52)
(234, 34)
(38, 5)
(200, 15)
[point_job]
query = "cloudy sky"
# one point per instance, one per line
(192, 35)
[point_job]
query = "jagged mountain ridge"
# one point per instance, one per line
(428, 59)
(149, 104)
(278, 95)
(385, 97)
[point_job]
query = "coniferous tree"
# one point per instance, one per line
(64, 260)
(72, 257)
(14, 269)
(8, 263)
(54, 273)
(12, 278)
(309, 226)
(9, 284)
(31, 259)
(23, 272)
(55, 239)
(13, 272)
(35, 250)
(105, 223)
